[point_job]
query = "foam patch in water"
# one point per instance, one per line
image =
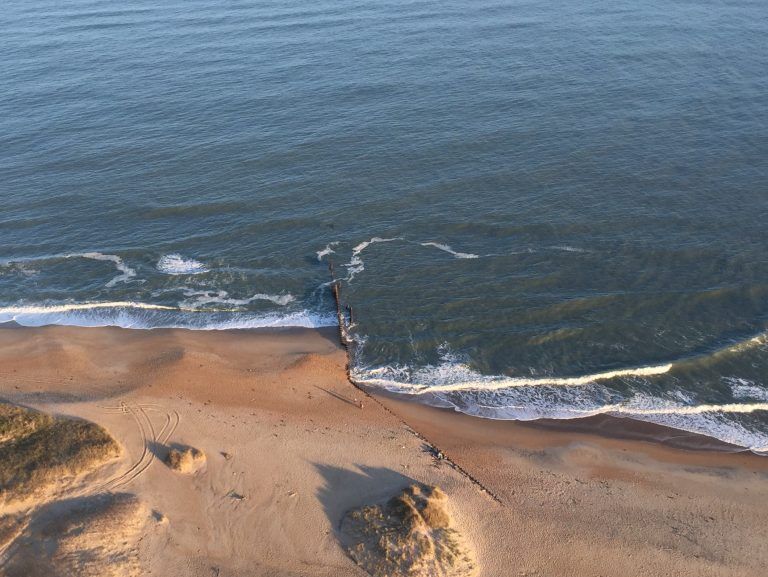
(746, 389)
(205, 298)
(321, 254)
(175, 264)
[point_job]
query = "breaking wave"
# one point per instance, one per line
(453, 384)
(138, 315)
(746, 389)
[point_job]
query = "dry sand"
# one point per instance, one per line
(292, 446)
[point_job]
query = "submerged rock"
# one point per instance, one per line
(411, 535)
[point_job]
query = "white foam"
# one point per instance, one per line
(116, 313)
(713, 420)
(356, 265)
(672, 409)
(532, 399)
(175, 264)
(452, 375)
(127, 273)
(448, 249)
(128, 314)
(204, 298)
(568, 248)
(23, 268)
(376, 239)
(746, 389)
(327, 250)
(457, 377)
(69, 307)
(453, 384)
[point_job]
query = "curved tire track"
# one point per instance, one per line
(148, 435)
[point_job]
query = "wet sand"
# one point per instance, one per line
(291, 446)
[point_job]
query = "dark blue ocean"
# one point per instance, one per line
(535, 209)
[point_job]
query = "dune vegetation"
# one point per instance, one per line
(185, 459)
(37, 450)
(411, 535)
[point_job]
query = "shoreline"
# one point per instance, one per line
(292, 445)
(601, 425)
(607, 432)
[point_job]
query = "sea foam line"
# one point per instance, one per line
(448, 249)
(568, 248)
(688, 410)
(356, 264)
(628, 409)
(65, 308)
(222, 297)
(127, 273)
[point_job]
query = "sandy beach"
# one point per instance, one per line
(291, 445)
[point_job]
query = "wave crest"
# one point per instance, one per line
(138, 315)
(453, 384)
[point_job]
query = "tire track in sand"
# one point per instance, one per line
(148, 435)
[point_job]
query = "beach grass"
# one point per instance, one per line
(37, 450)
(409, 536)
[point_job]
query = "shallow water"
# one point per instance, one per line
(569, 192)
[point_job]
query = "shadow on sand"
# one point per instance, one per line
(345, 489)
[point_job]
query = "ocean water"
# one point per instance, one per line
(535, 209)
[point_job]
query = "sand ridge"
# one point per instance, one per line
(88, 537)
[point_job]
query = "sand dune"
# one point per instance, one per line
(90, 537)
(411, 535)
(40, 453)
